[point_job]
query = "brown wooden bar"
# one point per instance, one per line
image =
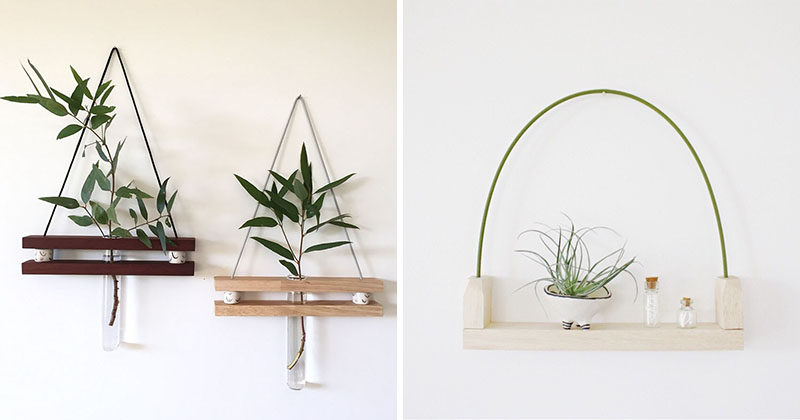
(122, 268)
(98, 242)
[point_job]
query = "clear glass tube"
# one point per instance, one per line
(112, 310)
(295, 341)
(651, 302)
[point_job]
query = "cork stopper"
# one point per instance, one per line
(686, 302)
(652, 282)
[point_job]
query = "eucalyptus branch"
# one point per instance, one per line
(148, 222)
(93, 220)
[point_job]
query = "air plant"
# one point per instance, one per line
(96, 118)
(293, 200)
(568, 263)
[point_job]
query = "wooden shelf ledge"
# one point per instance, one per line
(122, 268)
(98, 242)
(480, 332)
(310, 284)
(285, 308)
(611, 336)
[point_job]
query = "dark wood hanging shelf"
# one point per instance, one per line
(122, 268)
(99, 267)
(99, 242)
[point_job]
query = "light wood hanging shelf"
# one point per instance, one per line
(339, 308)
(483, 334)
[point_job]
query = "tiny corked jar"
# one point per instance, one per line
(687, 316)
(651, 302)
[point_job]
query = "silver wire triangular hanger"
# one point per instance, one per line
(300, 100)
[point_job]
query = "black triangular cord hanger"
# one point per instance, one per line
(83, 132)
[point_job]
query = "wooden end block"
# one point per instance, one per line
(478, 302)
(729, 303)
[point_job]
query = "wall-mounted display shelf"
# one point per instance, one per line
(479, 332)
(101, 243)
(307, 308)
(482, 334)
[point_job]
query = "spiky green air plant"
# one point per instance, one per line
(96, 118)
(293, 200)
(568, 263)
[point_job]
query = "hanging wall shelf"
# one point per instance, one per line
(308, 308)
(479, 332)
(46, 262)
(296, 306)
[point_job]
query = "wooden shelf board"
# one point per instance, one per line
(602, 336)
(310, 284)
(98, 242)
(124, 268)
(284, 308)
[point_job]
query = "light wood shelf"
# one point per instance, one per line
(339, 308)
(310, 284)
(611, 336)
(480, 332)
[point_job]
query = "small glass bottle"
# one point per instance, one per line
(687, 316)
(112, 309)
(651, 302)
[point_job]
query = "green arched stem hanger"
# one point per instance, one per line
(618, 93)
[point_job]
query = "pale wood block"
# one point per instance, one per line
(611, 336)
(310, 284)
(729, 303)
(478, 302)
(285, 308)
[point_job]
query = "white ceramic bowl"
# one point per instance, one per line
(576, 310)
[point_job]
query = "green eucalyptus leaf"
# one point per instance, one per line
(100, 152)
(99, 213)
(39, 75)
(65, 202)
(22, 99)
(289, 266)
(121, 233)
(142, 207)
(305, 168)
(274, 247)
(333, 184)
(254, 192)
(98, 120)
(143, 238)
(287, 208)
(162, 236)
(68, 131)
(31, 79)
(134, 216)
(327, 245)
(101, 88)
(53, 106)
(344, 224)
(102, 109)
(161, 198)
(285, 183)
(88, 187)
(260, 222)
(81, 220)
(74, 105)
(171, 201)
(115, 159)
(300, 191)
(102, 181)
(105, 96)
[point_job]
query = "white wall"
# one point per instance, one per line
(214, 81)
(726, 72)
